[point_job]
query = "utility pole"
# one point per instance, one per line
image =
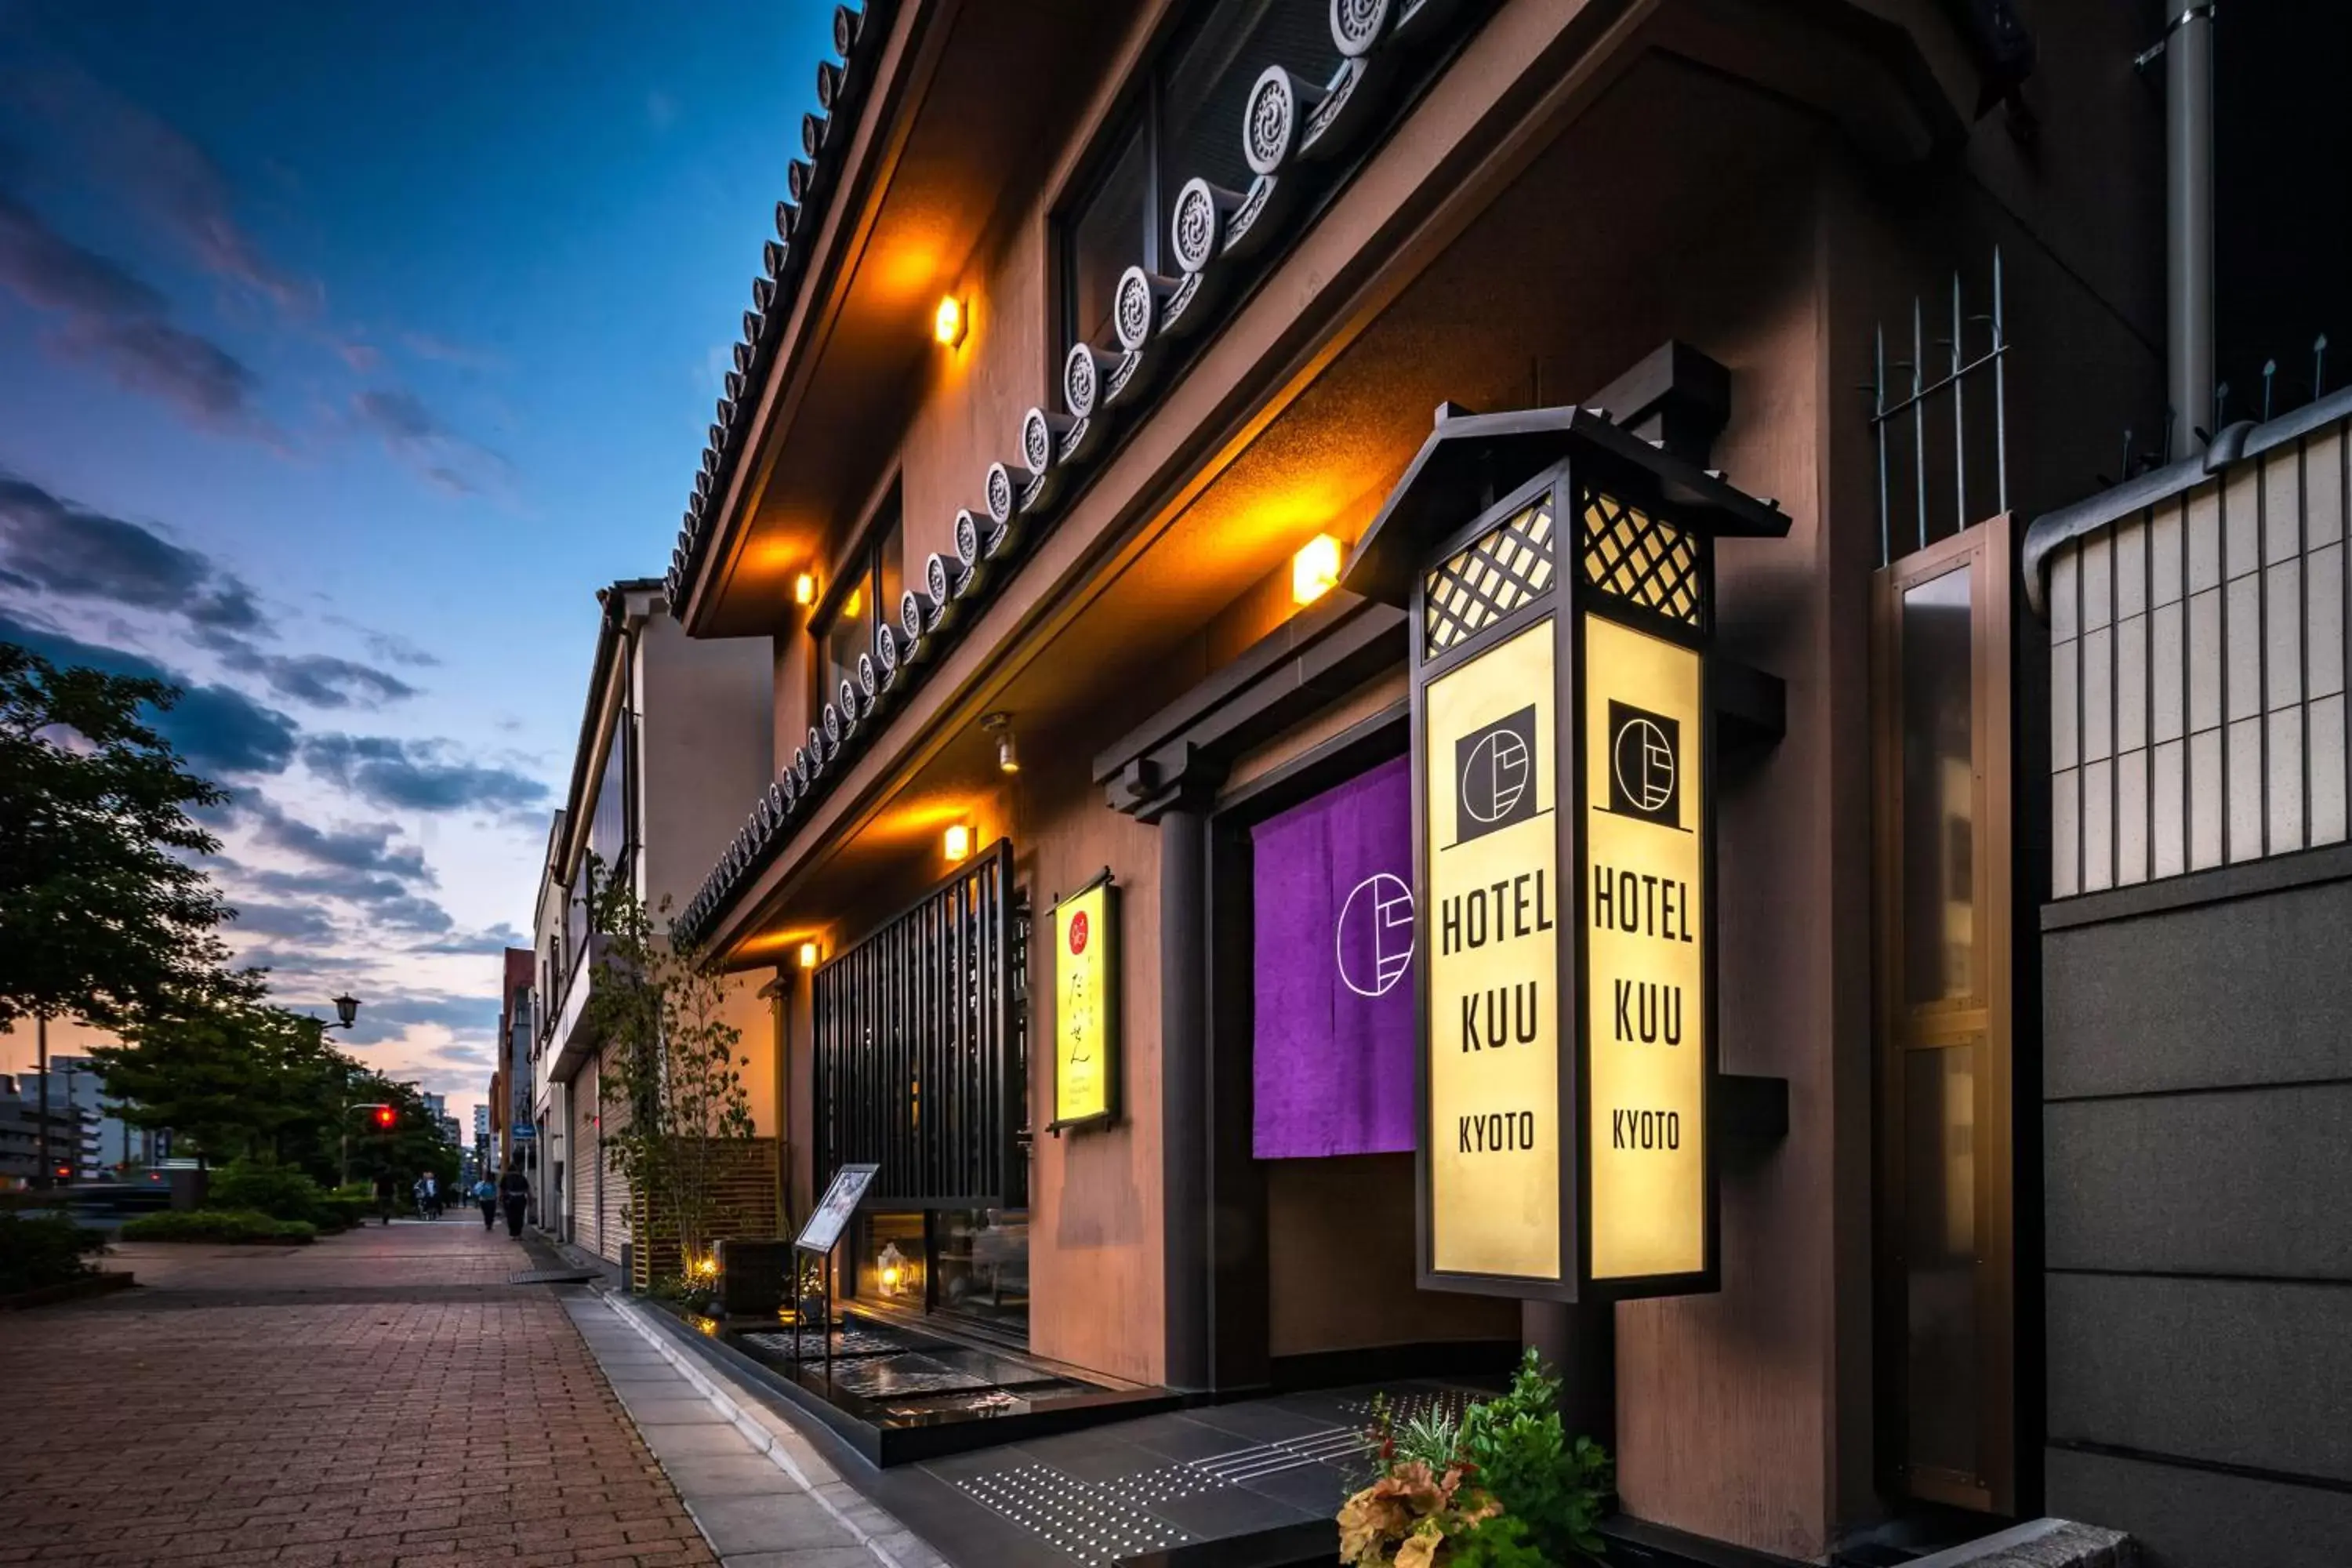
(41, 1121)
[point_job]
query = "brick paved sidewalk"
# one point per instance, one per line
(382, 1397)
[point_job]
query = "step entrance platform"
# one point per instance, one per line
(900, 1393)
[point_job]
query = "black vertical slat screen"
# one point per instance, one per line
(918, 1051)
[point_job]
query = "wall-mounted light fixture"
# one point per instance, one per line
(959, 841)
(809, 956)
(1008, 759)
(804, 589)
(1314, 569)
(949, 322)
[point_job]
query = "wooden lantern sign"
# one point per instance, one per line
(1559, 572)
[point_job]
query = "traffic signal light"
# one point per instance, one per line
(387, 1118)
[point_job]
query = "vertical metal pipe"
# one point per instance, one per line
(2189, 215)
(1920, 415)
(1959, 423)
(1878, 426)
(1999, 387)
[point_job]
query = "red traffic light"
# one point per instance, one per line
(386, 1116)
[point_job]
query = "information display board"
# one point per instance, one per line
(1085, 1007)
(823, 1232)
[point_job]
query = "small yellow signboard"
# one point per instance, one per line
(1085, 1005)
(1493, 1027)
(1645, 955)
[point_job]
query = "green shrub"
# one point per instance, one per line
(278, 1191)
(217, 1224)
(40, 1250)
(341, 1211)
(1552, 1490)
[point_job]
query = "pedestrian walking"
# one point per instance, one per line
(486, 1193)
(514, 1187)
(387, 1189)
(432, 1195)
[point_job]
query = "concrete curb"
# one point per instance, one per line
(784, 1448)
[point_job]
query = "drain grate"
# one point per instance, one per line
(555, 1276)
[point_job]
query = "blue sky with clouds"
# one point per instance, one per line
(344, 352)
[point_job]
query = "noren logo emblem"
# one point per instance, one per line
(1496, 770)
(1373, 939)
(1645, 778)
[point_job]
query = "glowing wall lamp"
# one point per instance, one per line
(959, 841)
(809, 956)
(1315, 568)
(804, 589)
(949, 322)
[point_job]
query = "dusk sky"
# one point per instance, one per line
(344, 352)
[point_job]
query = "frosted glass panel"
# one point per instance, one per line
(2131, 567)
(2066, 833)
(2205, 659)
(1940, 1246)
(2322, 482)
(2098, 693)
(2205, 800)
(2241, 519)
(2285, 792)
(1939, 795)
(2323, 592)
(2201, 695)
(2241, 615)
(2204, 538)
(2098, 825)
(2166, 827)
(2244, 766)
(2131, 817)
(2327, 764)
(2283, 635)
(2098, 585)
(2282, 507)
(2165, 674)
(2165, 564)
(2065, 697)
(2131, 683)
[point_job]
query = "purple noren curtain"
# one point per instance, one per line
(1332, 1058)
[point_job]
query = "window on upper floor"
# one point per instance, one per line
(1183, 121)
(867, 596)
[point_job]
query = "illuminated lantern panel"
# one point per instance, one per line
(1558, 575)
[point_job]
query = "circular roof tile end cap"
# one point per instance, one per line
(1358, 26)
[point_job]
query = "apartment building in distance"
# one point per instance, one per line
(672, 729)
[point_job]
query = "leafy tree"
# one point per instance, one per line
(102, 912)
(671, 1087)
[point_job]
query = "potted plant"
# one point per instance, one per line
(1503, 1488)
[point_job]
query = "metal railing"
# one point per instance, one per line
(1911, 397)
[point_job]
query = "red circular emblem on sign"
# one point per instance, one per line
(1078, 932)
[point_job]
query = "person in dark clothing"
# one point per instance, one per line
(514, 1190)
(387, 1190)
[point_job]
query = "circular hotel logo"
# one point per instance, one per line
(1079, 933)
(1496, 777)
(1645, 765)
(1372, 940)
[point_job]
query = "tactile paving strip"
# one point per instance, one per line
(1417, 1405)
(1088, 1522)
(1168, 1483)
